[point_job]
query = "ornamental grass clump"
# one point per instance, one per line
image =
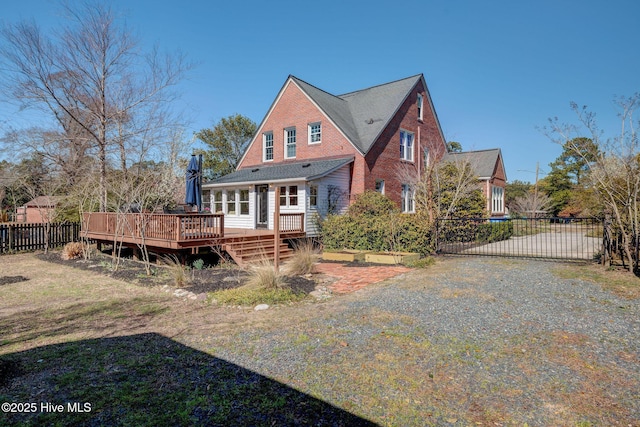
(73, 250)
(263, 275)
(304, 258)
(177, 271)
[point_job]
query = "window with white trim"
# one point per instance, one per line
(406, 145)
(420, 103)
(244, 202)
(231, 202)
(315, 133)
(267, 144)
(380, 186)
(497, 199)
(290, 143)
(313, 196)
(407, 199)
(217, 201)
(427, 158)
(289, 195)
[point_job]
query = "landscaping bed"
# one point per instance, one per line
(198, 281)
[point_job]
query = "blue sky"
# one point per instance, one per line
(496, 69)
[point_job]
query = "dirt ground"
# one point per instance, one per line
(464, 342)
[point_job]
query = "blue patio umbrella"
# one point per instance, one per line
(194, 175)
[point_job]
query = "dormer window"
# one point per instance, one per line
(420, 103)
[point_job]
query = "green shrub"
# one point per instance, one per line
(494, 231)
(374, 223)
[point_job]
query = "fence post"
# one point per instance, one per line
(11, 231)
(606, 241)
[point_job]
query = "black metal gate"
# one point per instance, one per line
(550, 238)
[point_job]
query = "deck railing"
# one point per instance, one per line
(166, 227)
(291, 222)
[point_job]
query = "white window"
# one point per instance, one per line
(217, 201)
(406, 145)
(313, 196)
(380, 186)
(497, 199)
(427, 159)
(315, 133)
(407, 199)
(289, 195)
(244, 202)
(420, 105)
(231, 202)
(267, 144)
(290, 143)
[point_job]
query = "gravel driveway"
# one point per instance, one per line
(470, 341)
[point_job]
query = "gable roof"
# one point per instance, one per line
(303, 170)
(362, 115)
(483, 161)
(43, 202)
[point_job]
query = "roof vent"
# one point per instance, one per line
(306, 165)
(369, 122)
(255, 170)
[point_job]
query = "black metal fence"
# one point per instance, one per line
(550, 238)
(15, 237)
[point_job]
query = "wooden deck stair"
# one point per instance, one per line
(256, 248)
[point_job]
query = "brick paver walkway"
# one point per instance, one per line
(352, 277)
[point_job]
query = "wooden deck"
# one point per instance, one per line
(181, 232)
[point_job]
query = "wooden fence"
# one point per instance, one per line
(16, 237)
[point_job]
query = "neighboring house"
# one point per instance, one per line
(322, 150)
(38, 210)
(489, 168)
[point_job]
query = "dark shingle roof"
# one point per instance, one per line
(362, 115)
(303, 170)
(482, 161)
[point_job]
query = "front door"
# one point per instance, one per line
(262, 206)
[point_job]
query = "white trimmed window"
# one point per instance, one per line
(426, 157)
(420, 103)
(380, 186)
(407, 199)
(313, 196)
(315, 133)
(244, 202)
(406, 145)
(497, 199)
(289, 195)
(267, 146)
(231, 202)
(217, 201)
(290, 143)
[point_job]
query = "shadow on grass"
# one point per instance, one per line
(148, 379)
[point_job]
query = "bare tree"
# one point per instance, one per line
(91, 79)
(446, 188)
(614, 172)
(533, 204)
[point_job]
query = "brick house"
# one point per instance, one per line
(322, 150)
(489, 168)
